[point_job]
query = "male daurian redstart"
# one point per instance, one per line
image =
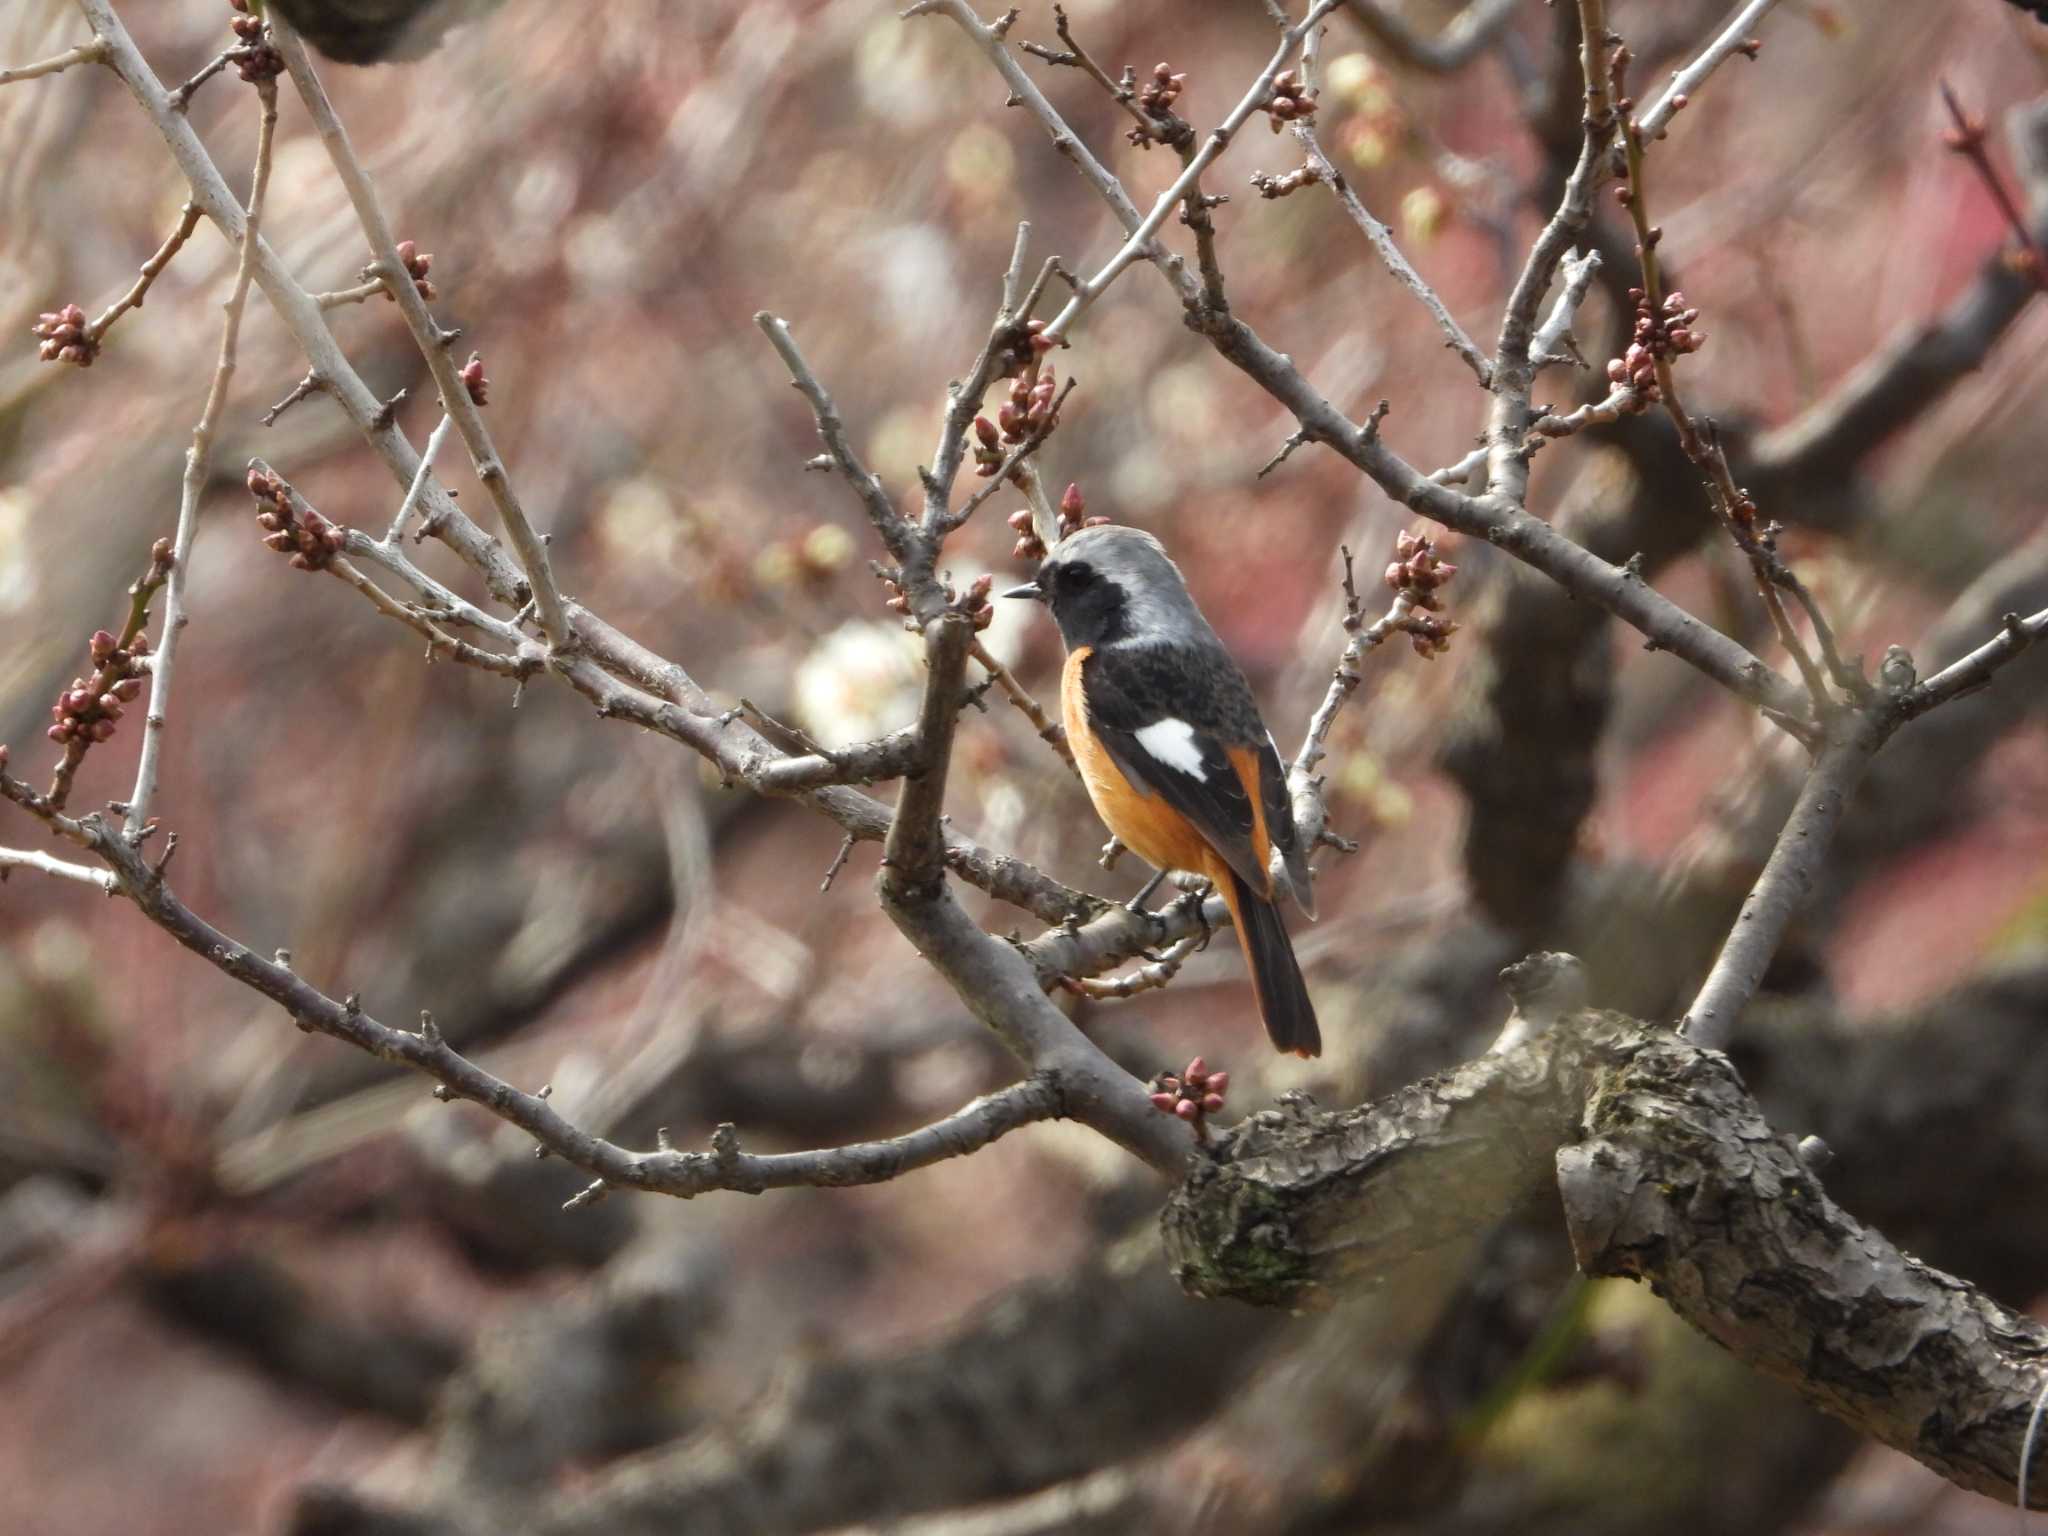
(1170, 744)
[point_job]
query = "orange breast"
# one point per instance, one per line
(1148, 826)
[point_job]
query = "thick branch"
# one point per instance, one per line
(1669, 1174)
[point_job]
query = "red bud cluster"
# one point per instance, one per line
(87, 710)
(417, 264)
(1661, 333)
(1029, 548)
(473, 378)
(255, 59)
(310, 539)
(1072, 518)
(1074, 512)
(1031, 406)
(1418, 573)
(1158, 94)
(1291, 101)
(64, 339)
(1194, 1093)
(975, 603)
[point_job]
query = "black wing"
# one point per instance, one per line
(1169, 717)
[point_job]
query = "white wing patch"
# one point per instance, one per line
(1173, 743)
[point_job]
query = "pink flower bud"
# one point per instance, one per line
(1186, 1109)
(102, 645)
(1219, 1082)
(1212, 1102)
(128, 689)
(1164, 1102)
(59, 732)
(102, 730)
(1072, 503)
(1197, 1069)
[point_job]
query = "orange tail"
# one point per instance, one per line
(1283, 996)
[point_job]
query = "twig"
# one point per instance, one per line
(196, 460)
(1381, 238)
(336, 297)
(439, 641)
(311, 384)
(1732, 39)
(966, 1130)
(888, 522)
(1515, 366)
(1967, 140)
(188, 220)
(1140, 238)
(1167, 130)
(1050, 731)
(419, 481)
(17, 858)
(1148, 977)
(1788, 878)
(94, 52)
(181, 98)
(1975, 670)
(430, 339)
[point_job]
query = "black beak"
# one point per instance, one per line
(1030, 589)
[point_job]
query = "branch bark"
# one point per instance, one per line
(1667, 1173)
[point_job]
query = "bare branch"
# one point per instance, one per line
(17, 858)
(93, 52)
(1668, 1173)
(1377, 235)
(1975, 670)
(1781, 891)
(967, 1130)
(197, 459)
(428, 336)
(1141, 236)
(889, 524)
(413, 492)
(1050, 731)
(1732, 39)
(188, 220)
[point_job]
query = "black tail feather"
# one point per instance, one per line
(1283, 996)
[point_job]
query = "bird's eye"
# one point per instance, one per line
(1076, 578)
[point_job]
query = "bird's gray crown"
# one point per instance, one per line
(1128, 590)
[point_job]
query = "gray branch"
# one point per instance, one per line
(1669, 1174)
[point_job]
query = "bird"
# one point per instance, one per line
(377, 31)
(1167, 735)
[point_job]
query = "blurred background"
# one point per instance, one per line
(250, 1280)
